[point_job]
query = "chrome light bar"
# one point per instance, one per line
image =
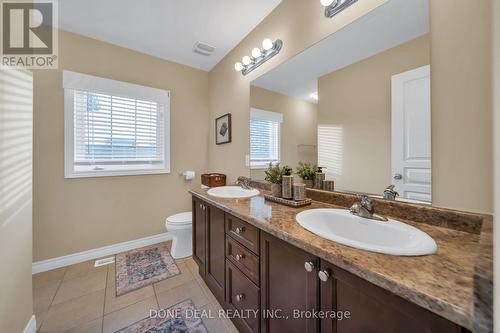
(336, 6)
(259, 56)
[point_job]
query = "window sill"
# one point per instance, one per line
(260, 165)
(122, 170)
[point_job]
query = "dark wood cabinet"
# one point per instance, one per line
(199, 234)
(215, 246)
(249, 270)
(361, 307)
(286, 287)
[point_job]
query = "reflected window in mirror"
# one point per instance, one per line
(265, 139)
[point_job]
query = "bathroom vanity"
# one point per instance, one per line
(253, 255)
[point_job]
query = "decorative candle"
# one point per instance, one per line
(328, 185)
(299, 192)
(318, 180)
(287, 183)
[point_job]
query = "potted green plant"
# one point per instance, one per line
(306, 171)
(274, 175)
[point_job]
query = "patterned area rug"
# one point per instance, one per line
(141, 267)
(176, 319)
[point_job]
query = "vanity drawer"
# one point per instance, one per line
(242, 294)
(244, 233)
(243, 258)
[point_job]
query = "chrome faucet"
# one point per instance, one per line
(364, 208)
(244, 183)
(390, 193)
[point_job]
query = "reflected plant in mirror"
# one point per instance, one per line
(306, 172)
(358, 104)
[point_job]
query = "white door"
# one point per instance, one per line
(411, 134)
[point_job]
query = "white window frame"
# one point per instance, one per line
(271, 116)
(77, 81)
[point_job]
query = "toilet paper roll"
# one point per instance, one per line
(189, 175)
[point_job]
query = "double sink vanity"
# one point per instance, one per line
(321, 269)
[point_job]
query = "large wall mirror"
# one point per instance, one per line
(357, 103)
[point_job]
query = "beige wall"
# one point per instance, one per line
(357, 99)
(298, 130)
(462, 164)
(72, 215)
(16, 304)
(299, 23)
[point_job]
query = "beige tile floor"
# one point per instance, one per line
(81, 298)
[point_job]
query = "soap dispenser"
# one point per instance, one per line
(319, 177)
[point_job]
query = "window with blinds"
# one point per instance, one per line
(121, 132)
(264, 138)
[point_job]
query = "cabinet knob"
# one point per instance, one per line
(201, 206)
(309, 266)
(240, 297)
(324, 275)
(238, 257)
(239, 230)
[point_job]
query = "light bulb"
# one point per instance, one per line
(267, 44)
(246, 60)
(238, 66)
(327, 3)
(256, 52)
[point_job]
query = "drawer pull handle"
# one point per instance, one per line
(324, 275)
(309, 266)
(240, 230)
(240, 297)
(238, 257)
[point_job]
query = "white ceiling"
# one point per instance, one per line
(166, 28)
(387, 26)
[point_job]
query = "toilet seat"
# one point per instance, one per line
(180, 219)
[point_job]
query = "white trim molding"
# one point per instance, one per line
(31, 326)
(75, 258)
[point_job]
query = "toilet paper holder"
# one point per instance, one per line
(188, 175)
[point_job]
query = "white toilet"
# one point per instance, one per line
(180, 226)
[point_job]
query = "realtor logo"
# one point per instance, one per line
(29, 34)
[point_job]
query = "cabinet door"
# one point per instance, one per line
(372, 309)
(287, 288)
(199, 235)
(215, 271)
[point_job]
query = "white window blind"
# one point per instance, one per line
(264, 138)
(107, 134)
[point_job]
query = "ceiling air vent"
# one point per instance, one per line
(203, 49)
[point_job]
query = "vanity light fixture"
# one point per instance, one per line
(259, 56)
(333, 7)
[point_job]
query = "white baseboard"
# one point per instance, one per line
(31, 326)
(75, 258)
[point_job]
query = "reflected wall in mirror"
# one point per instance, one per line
(356, 103)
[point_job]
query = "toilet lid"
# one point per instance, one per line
(181, 218)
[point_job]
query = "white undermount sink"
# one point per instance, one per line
(391, 237)
(232, 192)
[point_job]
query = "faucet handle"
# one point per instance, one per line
(365, 202)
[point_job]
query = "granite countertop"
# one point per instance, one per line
(442, 283)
